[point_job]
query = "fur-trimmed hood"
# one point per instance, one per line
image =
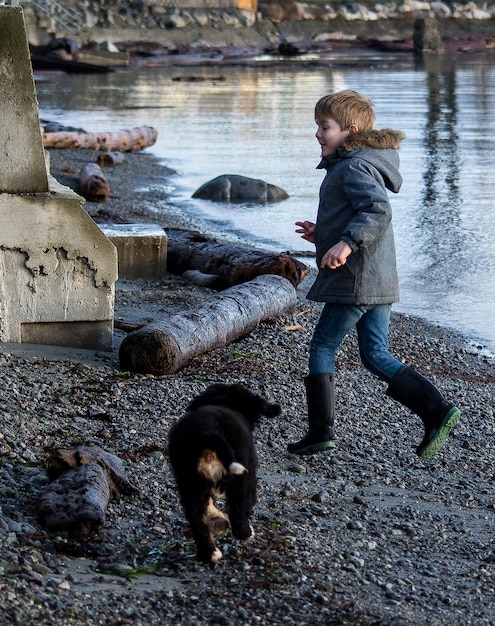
(376, 147)
(381, 139)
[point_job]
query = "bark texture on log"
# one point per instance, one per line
(191, 250)
(121, 141)
(83, 481)
(63, 459)
(92, 183)
(165, 347)
(76, 502)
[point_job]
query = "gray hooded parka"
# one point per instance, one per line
(354, 207)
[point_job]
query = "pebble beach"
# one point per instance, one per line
(366, 534)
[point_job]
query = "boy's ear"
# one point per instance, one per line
(353, 128)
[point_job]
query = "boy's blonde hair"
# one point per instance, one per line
(346, 107)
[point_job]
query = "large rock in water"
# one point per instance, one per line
(234, 188)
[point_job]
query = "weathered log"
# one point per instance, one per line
(63, 459)
(164, 347)
(92, 183)
(76, 501)
(83, 481)
(122, 141)
(200, 278)
(191, 250)
(107, 159)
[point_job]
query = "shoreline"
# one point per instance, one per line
(143, 170)
(367, 534)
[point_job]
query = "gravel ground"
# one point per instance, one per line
(365, 534)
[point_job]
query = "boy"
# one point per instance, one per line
(357, 278)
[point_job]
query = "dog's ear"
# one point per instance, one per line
(214, 394)
(271, 409)
(255, 403)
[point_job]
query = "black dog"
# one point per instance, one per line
(211, 451)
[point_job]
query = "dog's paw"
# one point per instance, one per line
(243, 532)
(216, 556)
(237, 468)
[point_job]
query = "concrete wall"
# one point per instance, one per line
(57, 268)
(21, 149)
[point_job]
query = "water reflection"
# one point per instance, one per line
(259, 123)
(439, 208)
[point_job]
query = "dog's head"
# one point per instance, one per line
(238, 398)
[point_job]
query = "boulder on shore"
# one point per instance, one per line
(235, 188)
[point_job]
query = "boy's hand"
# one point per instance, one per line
(336, 256)
(307, 229)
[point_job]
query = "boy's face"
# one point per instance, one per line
(330, 136)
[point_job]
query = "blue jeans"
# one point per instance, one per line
(371, 323)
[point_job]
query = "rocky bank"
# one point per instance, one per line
(368, 534)
(207, 24)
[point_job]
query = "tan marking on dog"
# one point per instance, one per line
(215, 519)
(211, 467)
(217, 523)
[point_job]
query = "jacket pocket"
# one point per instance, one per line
(332, 285)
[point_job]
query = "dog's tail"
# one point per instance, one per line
(217, 459)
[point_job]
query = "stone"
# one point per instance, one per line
(235, 188)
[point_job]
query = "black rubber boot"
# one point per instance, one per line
(320, 394)
(420, 396)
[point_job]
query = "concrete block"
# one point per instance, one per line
(57, 272)
(141, 249)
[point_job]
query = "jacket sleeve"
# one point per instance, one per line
(365, 189)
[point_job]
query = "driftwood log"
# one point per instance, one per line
(164, 347)
(121, 141)
(108, 159)
(76, 502)
(92, 183)
(83, 481)
(226, 264)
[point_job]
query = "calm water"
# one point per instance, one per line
(259, 123)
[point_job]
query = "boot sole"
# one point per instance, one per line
(439, 440)
(314, 448)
